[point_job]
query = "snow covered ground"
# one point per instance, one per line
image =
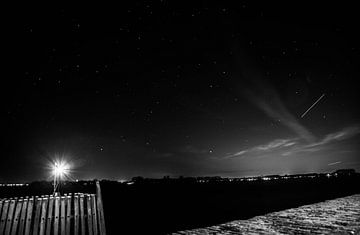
(338, 216)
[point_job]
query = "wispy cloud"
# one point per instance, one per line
(334, 163)
(259, 92)
(345, 133)
(323, 143)
(276, 144)
(291, 146)
(272, 106)
(238, 154)
(261, 149)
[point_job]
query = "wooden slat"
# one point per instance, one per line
(49, 215)
(76, 214)
(68, 214)
(35, 227)
(38, 216)
(44, 206)
(56, 216)
(29, 213)
(23, 216)
(94, 213)
(4, 215)
(62, 216)
(100, 209)
(16, 216)
(89, 214)
(82, 214)
(1, 205)
(10, 217)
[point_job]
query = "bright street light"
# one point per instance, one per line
(60, 169)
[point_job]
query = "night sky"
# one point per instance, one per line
(159, 88)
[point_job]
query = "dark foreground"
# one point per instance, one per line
(337, 216)
(166, 206)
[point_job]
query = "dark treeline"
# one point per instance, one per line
(149, 206)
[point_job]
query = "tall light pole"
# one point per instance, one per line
(59, 170)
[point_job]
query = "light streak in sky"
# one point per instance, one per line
(333, 163)
(312, 105)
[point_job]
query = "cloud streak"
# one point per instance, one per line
(343, 134)
(264, 96)
(261, 149)
(334, 163)
(273, 107)
(291, 146)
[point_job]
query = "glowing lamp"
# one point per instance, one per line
(60, 169)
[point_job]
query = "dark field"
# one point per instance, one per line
(163, 206)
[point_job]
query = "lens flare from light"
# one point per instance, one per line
(60, 169)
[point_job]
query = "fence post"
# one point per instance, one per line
(1, 203)
(76, 214)
(44, 209)
(16, 216)
(23, 216)
(9, 217)
(68, 214)
(29, 216)
(4, 216)
(56, 216)
(94, 214)
(62, 216)
(89, 214)
(100, 210)
(37, 215)
(82, 214)
(50, 215)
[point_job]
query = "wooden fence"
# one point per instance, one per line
(76, 213)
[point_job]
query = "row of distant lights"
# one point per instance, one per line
(13, 185)
(271, 178)
(201, 181)
(281, 177)
(248, 179)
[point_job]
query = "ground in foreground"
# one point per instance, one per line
(339, 216)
